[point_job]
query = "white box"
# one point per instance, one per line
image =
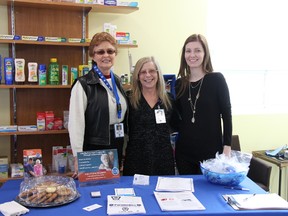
(17, 170)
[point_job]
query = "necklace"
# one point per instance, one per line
(197, 84)
(193, 105)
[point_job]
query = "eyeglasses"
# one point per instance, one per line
(102, 52)
(144, 72)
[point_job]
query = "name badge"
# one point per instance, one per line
(119, 130)
(160, 116)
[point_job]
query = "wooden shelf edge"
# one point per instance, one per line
(3, 86)
(46, 43)
(3, 41)
(46, 132)
(48, 4)
(71, 6)
(113, 9)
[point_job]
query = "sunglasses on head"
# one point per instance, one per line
(102, 52)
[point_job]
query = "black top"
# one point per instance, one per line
(201, 140)
(149, 150)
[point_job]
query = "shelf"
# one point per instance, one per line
(3, 86)
(46, 132)
(113, 9)
(86, 44)
(71, 6)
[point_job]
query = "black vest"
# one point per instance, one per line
(97, 128)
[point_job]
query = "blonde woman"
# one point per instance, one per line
(149, 150)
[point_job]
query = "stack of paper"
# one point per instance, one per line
(256, 201)
(124, 205)
(175, 194)
(178, 201)
(174, 184)
(12, 208)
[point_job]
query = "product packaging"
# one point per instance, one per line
(41, 121)
(53, 72)
(42, 74)
(74, 74)
(49, 120)
(64, 74)
(9, 71)
(3, 167)
(32, 72)
(19, 70)
(17, 170)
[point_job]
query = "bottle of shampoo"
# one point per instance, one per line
(42, 74)
(9, 70)
(53, 72)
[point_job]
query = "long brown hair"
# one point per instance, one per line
(184, 70)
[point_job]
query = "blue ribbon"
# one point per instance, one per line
(114, 89)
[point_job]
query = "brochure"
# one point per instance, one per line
(124, 205)
(178, 201)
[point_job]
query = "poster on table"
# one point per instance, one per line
(98, 167)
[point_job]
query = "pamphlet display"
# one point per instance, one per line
(98, 167)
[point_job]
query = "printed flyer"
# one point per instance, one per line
(98, 165)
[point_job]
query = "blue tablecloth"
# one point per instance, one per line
(208, 194)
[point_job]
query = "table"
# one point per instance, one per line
(210, 195)
(274, 160)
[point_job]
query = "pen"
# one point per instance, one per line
(237, 188)
(247, 198)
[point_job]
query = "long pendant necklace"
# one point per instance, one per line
(193, 105)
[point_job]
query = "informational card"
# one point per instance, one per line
(98, 165)
(124, 205)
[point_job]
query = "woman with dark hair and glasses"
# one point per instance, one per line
(98, 103)
(203, 101)
(149, 150)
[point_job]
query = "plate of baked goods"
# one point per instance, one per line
(47, 191)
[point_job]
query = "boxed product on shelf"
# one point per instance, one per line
(41, 121)
(10, 128)
(49, 120)
(110, 2)
(128, 4)
(3, 167)
(58, 124)
(17, 170)
(123, 36)
(27, 128)
(32, 153)
(55, 149)
(59, 159)
(70, 159)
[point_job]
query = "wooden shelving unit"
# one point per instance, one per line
(48, 19)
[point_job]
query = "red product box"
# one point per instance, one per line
(41, 121)
(58, 124)
(49, 120)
